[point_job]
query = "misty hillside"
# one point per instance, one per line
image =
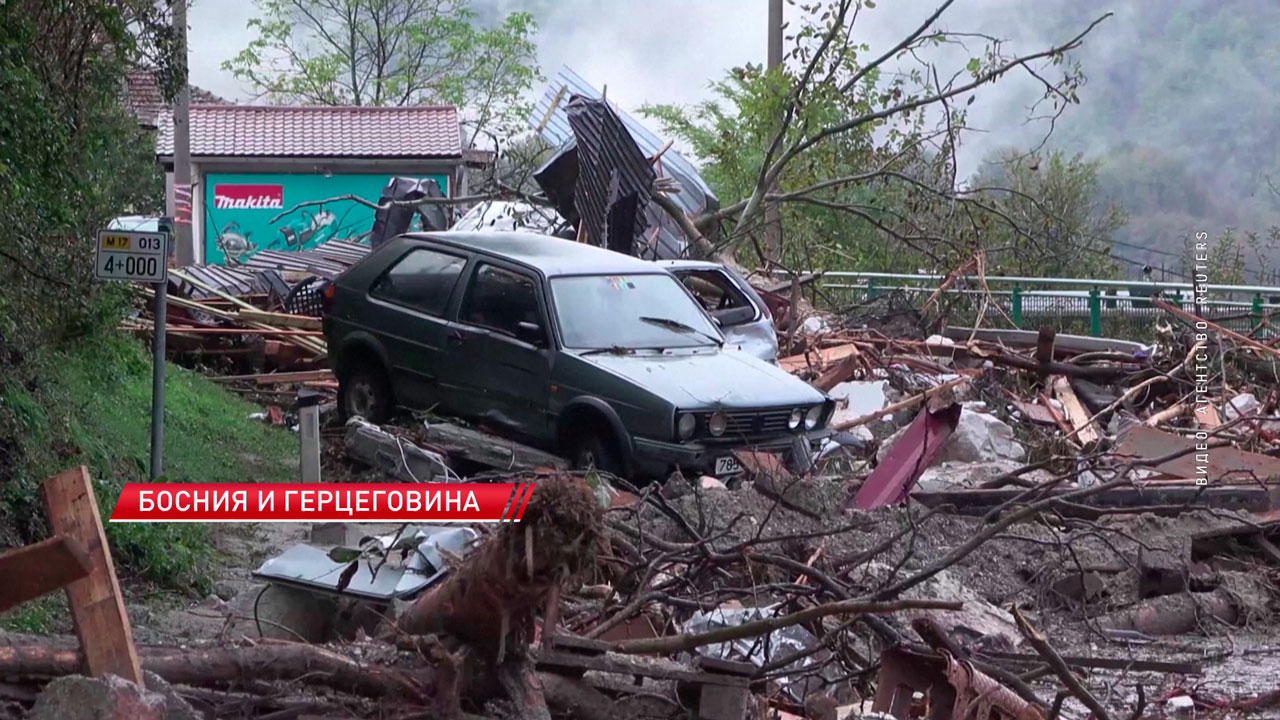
(1181, 106)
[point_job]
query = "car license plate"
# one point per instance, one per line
(727, 466)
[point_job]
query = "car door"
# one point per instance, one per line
(501, 366)
(410, 299)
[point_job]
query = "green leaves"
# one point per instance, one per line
(391, 52)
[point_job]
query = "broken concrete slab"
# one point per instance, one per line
(979, 620)
(110, 697)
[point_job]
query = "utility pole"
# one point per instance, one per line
(186, 251)
(772, 218)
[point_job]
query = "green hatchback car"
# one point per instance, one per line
(605, 359)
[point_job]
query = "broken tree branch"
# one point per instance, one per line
(1060, 668)
(683, 643)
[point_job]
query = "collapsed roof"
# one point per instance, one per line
(661, 237)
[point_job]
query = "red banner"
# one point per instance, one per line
(311, 502)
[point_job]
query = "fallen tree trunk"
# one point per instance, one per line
(284, 661)
(490, 600)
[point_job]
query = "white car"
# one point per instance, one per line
(730, 300)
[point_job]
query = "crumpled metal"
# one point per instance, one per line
(765, 649)
(981, 697)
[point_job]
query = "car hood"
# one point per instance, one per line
(728, 379)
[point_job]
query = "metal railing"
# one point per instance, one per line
(1076, 305)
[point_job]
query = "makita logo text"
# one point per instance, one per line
(248, 197)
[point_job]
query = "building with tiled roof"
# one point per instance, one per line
(252, 165)
(143, 99)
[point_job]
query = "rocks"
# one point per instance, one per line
(175, 707)
(76, 697)
(979, 438)
(964, 475)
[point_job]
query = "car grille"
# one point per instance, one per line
(756, 422)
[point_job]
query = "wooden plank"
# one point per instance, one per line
(486, 449)
(821, 358)
(36, 570)
(302, 322)
(280, 377)
(1075, 411)
(97, 607)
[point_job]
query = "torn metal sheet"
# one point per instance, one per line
(611, 167)
(914, 451)
(550, 120)
(510, 216)
(780, 643)
(310, 567)
(953, 689)
(1222, 464)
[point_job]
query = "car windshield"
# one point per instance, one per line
(629, 311)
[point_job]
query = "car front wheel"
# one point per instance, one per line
(593, 451)
(366, 393)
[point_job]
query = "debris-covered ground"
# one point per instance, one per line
(1034, 525)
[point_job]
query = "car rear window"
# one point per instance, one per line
(423, 280)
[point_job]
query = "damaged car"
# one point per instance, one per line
(606, 359)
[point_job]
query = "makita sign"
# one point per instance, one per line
(248, 197)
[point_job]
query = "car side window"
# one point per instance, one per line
(422, 279)
(500, 300)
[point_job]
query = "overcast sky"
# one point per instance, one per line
(668, 51)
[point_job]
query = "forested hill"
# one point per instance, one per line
(1182, 107)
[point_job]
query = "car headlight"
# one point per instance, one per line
(813, 417)
(717, 423)
(685, 425)
(797, 417)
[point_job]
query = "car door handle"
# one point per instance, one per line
(455, 338)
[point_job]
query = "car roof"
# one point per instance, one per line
(551, 255)
(689, 264)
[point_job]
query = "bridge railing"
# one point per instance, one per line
(1076, 305)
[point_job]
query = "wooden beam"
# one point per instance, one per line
(97, 608)
(1079, 417)
(36, 570)
(304, 322)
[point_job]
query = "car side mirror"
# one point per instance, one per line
(530, 333)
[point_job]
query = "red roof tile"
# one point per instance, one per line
(279, 131)
(142, 97)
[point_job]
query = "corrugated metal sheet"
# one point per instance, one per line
(302, 261)
(228, 280)
(342, 251)
(550, 119)
(606, 154)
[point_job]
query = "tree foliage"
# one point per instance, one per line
(1056, 195)
(859, 148)
(70, 156)
(390, 52)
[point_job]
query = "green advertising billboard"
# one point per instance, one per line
(239, 211)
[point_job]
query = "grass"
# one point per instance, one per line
(91, 407)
